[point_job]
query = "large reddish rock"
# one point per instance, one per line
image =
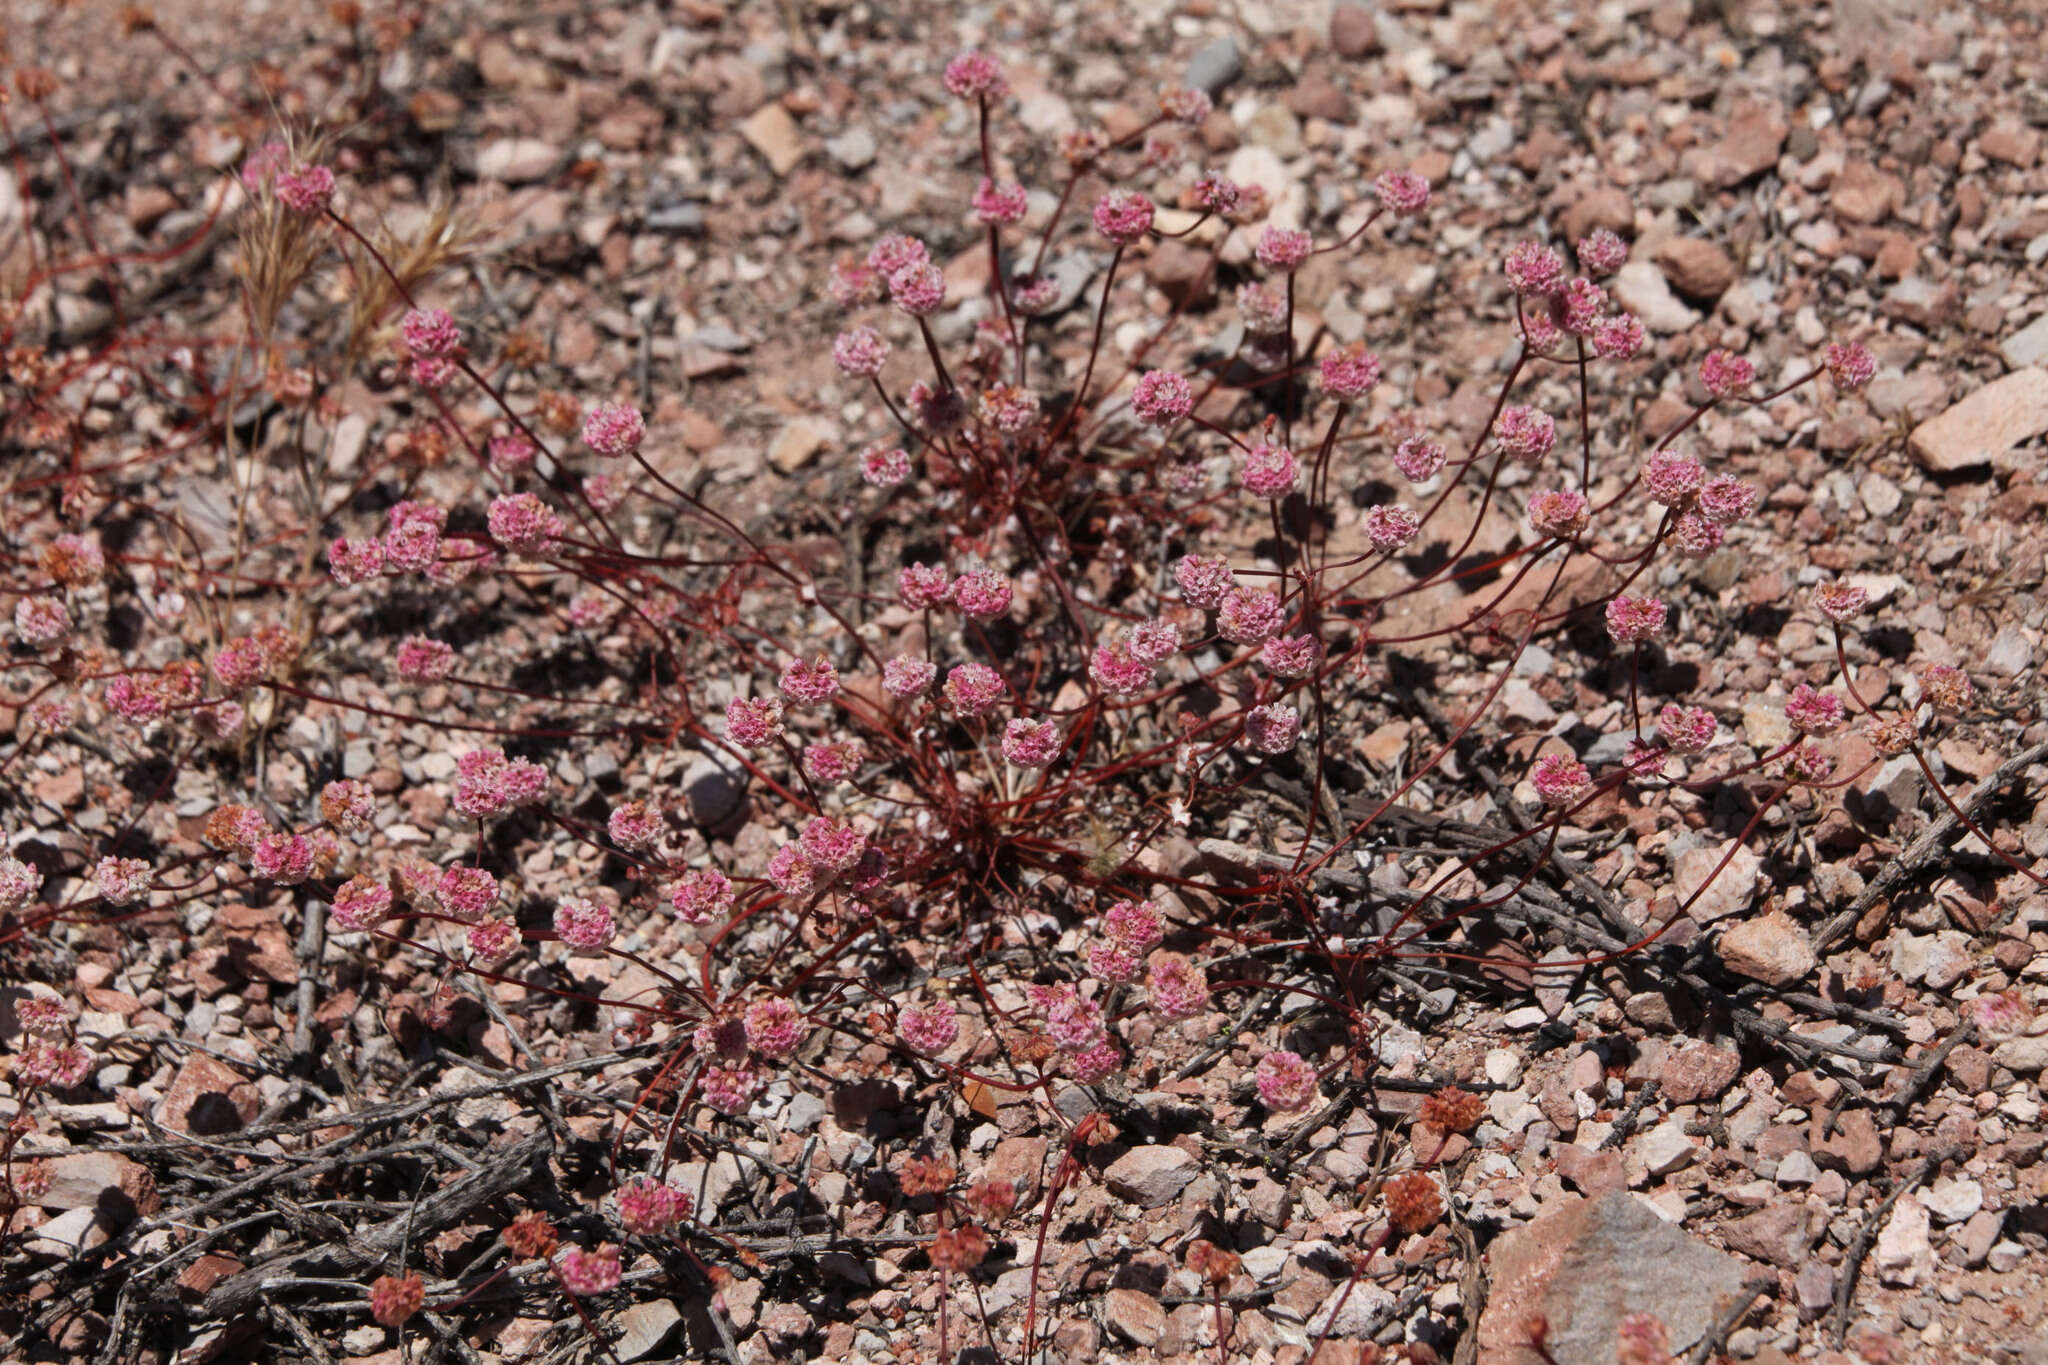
(207, 1096)
(1770, 949)
(1985, 425)
(1698, 1071)
(1755, 137)
(1586, 1267)
(1864, 194)
(1151, 1176)
(1696, 268)
(115, 1187)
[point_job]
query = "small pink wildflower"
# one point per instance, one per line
(1285, 1081)
(1726, 500)
(360, 904)
(894, 250)
(354, 561)
(974, 689)
(832, 846)
(1035, 295)
(1581, 307)
(1250, 616)
(1273, 728)
(1112, 963)
(1270, 471)
(1840, 602)
(1403, 192)
(998, 204)
(1525, 433)
(1540, 332)
(1203, 580)
(584, 1273)
(1136, 925)
(240, 664)
(1073, 1022)
(1947, 688)
(54, 1065)
(614, 430)
(1263, 308)
(123, 881)
(982, 594)
(492, 942)
(1534, 270)
(286, 859)
(1214, 192)
(1291, 656)
(421, 660)
(826, 764)
(18, 882)
(510, 452)
(1851, 366)
(349, 805)
(1812, 712)
(1162, 398)
(44, 1015)
(1725, 374)
(430, 332)
(263, 165)
(522, 522)
(1186, 105)
(412, 547)
(1123, 216)
(775, 1027)
(1391, 527)
(41, 621)
(1687, 729)
(1673, 479)
(1094, 1065)
(1632, 620)
(753, 722)
(1695, 536)
(1560, 779)
(701, 894)
(929, 1029)
(1600, 252)
(1809, 763)
(730, 1089)
(923, 586)
(860, 352)
(810, 683)
(305, 188)
(648, 1208)
(1419, 459)
(1559, 512)
(905, 676)
(1283, 249)
(1153, 641)
(919, 290)
(1177, 988)
(1349, 372)
(1620, 337)
(791, 872)
(634, 826)
(584, 923)
(1029, 744)
(975, 75)
(885, 467)
(467, 893)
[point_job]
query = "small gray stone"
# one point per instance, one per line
(715, 791)
(853, 149)
(2028, 346)
(1216, 65)
(1641, 288)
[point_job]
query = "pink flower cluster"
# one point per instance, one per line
(489, 784)
(701, 894)
(614, 430)
(584, 923)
